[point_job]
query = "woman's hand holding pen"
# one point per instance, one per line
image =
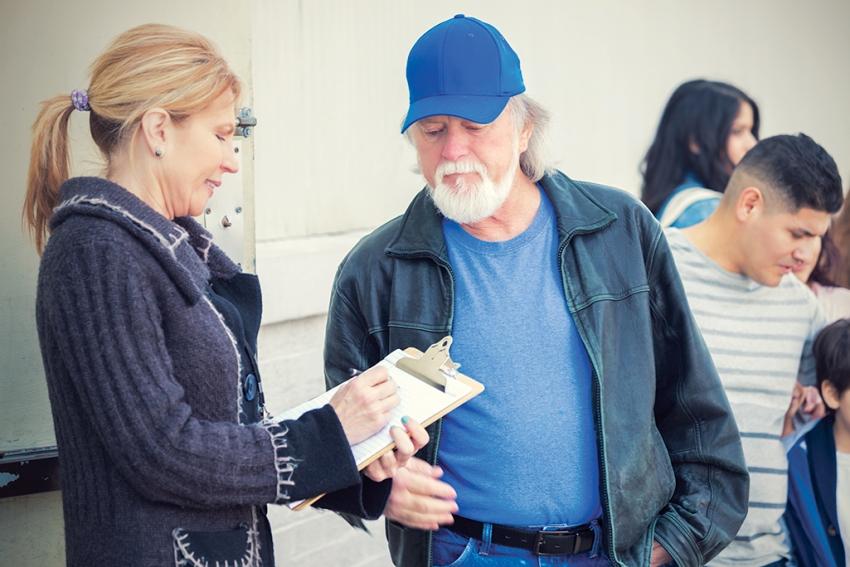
(364, 403)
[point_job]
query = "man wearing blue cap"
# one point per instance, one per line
(603, 435)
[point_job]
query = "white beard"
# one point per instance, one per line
(465, 202)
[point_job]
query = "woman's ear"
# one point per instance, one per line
(156, 127)
(830, 395)
(693, 146)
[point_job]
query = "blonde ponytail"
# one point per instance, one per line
(50, 166)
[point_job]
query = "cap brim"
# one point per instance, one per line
(476, 108)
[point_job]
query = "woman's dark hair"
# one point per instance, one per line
(841, 230)
(828, 262)
(699, 112)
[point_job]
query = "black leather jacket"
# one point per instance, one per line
(670, 457)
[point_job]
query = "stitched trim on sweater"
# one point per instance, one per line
(241, 417)
(169, 241)
(205, 251)
(284, 463)
(254, 534)
(184, 556)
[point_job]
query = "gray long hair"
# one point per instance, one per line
(535, 161)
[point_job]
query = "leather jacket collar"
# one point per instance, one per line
(420, 231)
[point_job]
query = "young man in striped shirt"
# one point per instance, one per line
(757, 318)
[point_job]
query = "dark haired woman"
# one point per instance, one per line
(817, 274)
(705, 130)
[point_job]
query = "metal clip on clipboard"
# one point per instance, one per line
(434, 367)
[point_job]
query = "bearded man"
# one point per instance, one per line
(603, 435)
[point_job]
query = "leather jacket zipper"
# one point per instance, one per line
(439, 423)
(600, 441)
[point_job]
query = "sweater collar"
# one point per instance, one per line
(182, 247)
(576, 211)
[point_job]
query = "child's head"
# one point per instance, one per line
(832, 362)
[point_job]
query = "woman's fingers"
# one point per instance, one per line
(407, 442)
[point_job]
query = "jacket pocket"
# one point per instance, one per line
(208, 549)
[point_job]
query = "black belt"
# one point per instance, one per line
(555, 542)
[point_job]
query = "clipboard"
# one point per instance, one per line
(435, 369)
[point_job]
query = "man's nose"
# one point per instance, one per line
(806, 252)
(457, 144)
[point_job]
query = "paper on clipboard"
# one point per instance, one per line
(420, 388)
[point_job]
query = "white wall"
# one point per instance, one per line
(330, 91)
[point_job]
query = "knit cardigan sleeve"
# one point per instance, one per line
(103, 345)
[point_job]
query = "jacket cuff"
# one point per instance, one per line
(312, 456)
(677, 541)
(365, 500)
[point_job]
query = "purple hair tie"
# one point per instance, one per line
(80, 100)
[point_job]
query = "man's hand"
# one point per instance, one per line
(798, 395)
(406, 442)
(806, 399)
(418, 499)
(659, 555)
(813, 403)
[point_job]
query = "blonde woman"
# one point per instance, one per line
(148, 331)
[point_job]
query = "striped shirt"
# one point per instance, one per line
(760, 338)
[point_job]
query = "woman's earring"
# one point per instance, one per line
(158, 153)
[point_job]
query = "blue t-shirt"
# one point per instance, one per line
(524, 451)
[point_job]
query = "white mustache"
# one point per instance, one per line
(460, 166)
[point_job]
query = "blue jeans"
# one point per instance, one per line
(455, 550)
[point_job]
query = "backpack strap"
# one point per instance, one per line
(679, 203)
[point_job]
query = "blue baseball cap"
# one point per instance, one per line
(462, 67)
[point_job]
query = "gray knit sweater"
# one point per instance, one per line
(146, 382)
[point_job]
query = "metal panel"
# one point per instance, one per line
(224, 216)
